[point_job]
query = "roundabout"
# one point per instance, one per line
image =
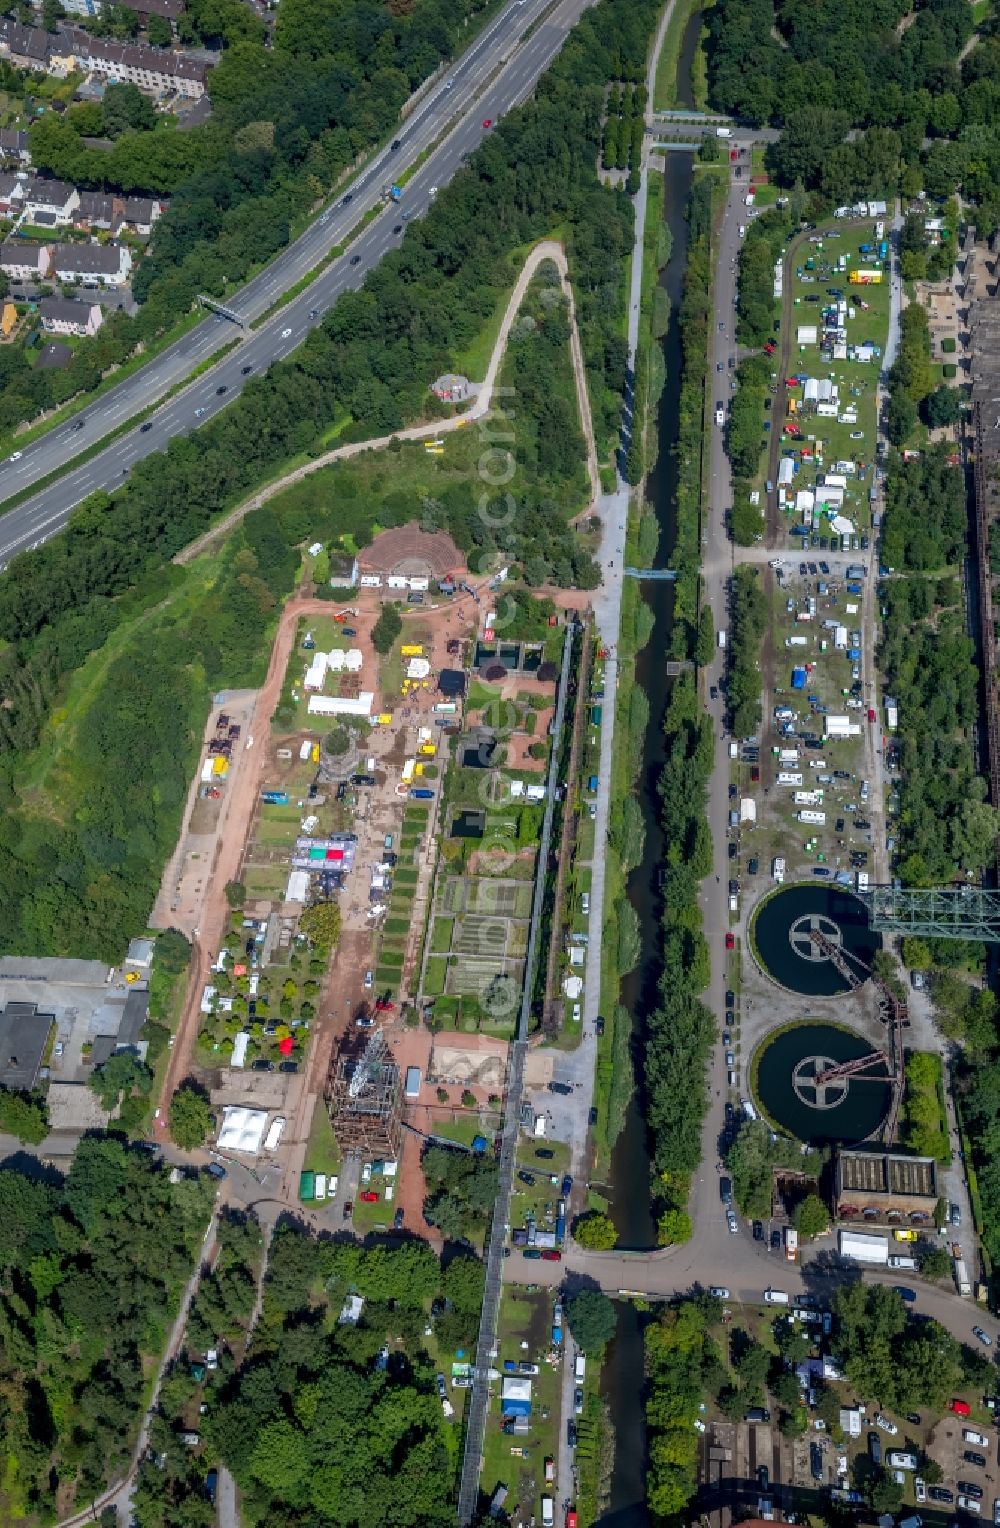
(799, 1096)
(782, 936)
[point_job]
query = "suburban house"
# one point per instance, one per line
(95, 210)
(63, 315)
(20, 260)
(27, 47)
(92, 264)
(10, 190)
(154, 70)
(112, 213)
(157, 71)
(50, 202)
(168, 9)
(139, 213)
(14, 144)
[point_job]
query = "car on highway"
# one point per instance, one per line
(730, 940)
(198, 413)
(732, 1222)
(346, 201)
(245, 371)
(15, 456)
(286, 334)
(719, 366)
(885, 1424)
(398, 228)
(394, 145)
(355, 259)
(144, 427)
(222, 388)
(984, 1337)
(718, 1291)
(487, 121)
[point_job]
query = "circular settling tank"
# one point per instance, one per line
(795, 1093)
(782, 935)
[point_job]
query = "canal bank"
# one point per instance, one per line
(630, 1166)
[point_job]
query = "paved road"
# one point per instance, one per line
(747, 1270)
(486, 86)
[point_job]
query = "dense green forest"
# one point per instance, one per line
(92, 1271)
(84, 880)
(172, 1488)
(340, 1424)
(818, 68)
(944, 825)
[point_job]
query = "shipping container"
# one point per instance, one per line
(307, 1187)
(274, 798)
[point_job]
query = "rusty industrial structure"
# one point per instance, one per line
(364, 1096)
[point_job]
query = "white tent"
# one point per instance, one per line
(353, 660)
(336, 660)
(316, 672)
(342, 705)
(786, 470)
(417, 668)
(298, 886)
(242, 1129)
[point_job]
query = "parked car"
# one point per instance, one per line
(718, 1291)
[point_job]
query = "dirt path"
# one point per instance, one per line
(548, 249)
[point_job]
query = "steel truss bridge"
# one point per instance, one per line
(960, 912)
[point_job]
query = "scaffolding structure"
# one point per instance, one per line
(364, 1098)
(943, 912)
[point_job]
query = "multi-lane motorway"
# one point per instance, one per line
(496, 73)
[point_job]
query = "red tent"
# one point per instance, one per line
(286, 1046)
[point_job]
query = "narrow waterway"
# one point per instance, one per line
(630, 1165)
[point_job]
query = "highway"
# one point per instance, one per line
(496, 73)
